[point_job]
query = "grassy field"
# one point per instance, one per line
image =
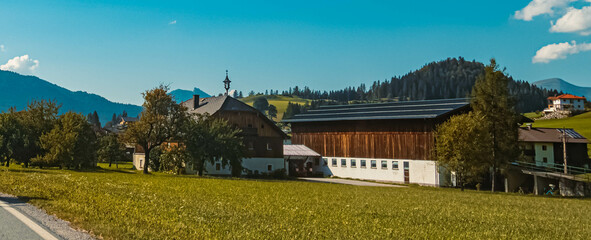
(533, 115)
(580, 123)
(278, 101)
(123, 204)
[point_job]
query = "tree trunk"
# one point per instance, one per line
(147, 159)
(110, 161)
(492, 189)
(7, 163)
(201, 166)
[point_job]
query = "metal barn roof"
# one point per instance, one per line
(423, 109)
(549, 135)
(299, 150)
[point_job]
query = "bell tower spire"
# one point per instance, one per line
(227, 83)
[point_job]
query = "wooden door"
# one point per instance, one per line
(406, 172)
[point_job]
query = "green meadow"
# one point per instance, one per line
(278, 100)
(124, 204)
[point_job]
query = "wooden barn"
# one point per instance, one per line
(383, 141)
(262, 138)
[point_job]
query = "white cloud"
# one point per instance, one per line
(559, 51)
(575, 20)
(22, 64)
(172, 22)
(540, 7)
(2, 49)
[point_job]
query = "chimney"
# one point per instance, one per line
(195, 101)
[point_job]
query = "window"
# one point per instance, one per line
(269, 147)
(262, 126)
(334, 162)
(373, 164)
(141, 165)
(353, 163)
(343, 162)
(394, 165)
(544, 148)
(384, 164)
(218, 166)
(269, 167)
(324, 162)
(250, 146)
(545, 159)
(363, 163)
(316, 162)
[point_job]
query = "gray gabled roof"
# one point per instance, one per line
(549, 135)
(211, 105)
(424, 109)
(299, 150)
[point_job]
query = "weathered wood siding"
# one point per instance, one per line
(390, 139)
(260, 137)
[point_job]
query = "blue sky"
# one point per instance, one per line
(118, 50)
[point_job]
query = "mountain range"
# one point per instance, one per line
(18, 90)
(564, 86)
(181, 95)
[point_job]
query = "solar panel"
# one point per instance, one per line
(571, 133)
(373, 111)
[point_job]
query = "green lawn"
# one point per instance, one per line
(580, 123)
(124, 204)
(278, 101)
(533, 115)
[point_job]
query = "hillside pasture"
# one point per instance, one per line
(278, 101)
(124, 204)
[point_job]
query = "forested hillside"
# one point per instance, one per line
(17, 90)
(450, 78)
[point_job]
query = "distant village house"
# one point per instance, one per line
(565, 103)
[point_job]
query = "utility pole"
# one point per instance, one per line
(564, 149)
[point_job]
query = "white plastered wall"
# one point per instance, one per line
(423, 172)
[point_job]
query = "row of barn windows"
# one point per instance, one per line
(363, 163)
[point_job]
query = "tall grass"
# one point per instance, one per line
(123, 204)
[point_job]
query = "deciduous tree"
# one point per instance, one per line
(111, 149)
(209, 138)
(70, 144)
(463, 145)
(160, 121)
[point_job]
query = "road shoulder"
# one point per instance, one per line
(54, 225)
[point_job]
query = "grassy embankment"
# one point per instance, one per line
(580, 123)
(278, 101)
(123, 204)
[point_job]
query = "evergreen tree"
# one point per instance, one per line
(272, 111)
(491, 99)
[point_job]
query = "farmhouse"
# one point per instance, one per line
(565, 103)
(262, 138)
(383, 141)
(544, 147)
